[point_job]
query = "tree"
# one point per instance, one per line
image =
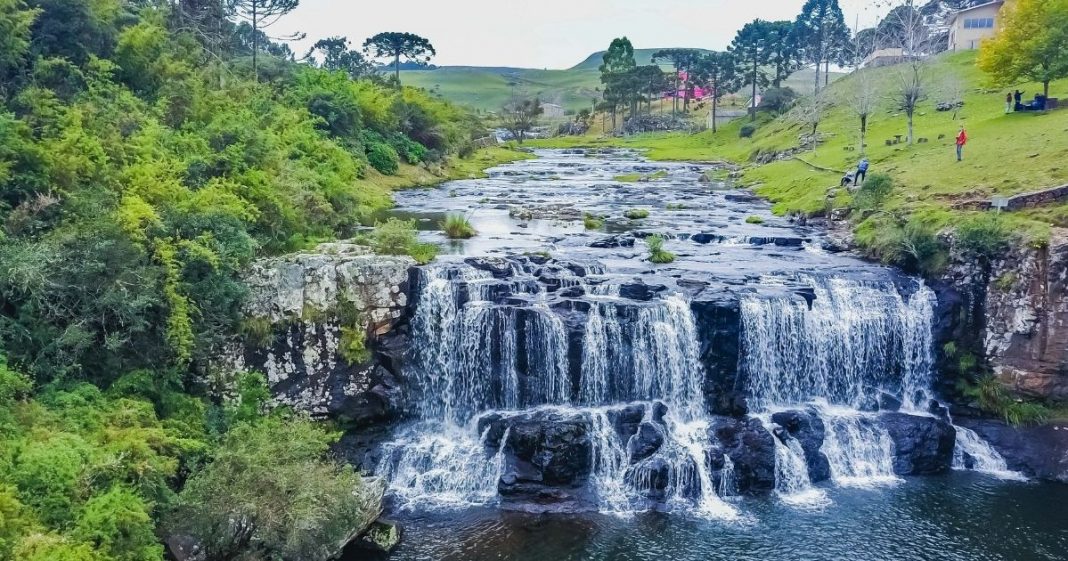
(520, 115)
(616, 67)
(784, 55)
(862, 99)
(336, 55)
(906, 30)
(820, 30)
(718, 71)
(261, 14)
(751, 48)
(1031, 44)
(270, 493)
(15, 21)
(680, 59)
(395, 45)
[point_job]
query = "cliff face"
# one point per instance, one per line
(317, 326)
(1015, 311)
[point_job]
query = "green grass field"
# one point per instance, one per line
(488, 88)
(1005, 155)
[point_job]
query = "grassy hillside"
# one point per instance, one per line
(1006, 154)
(488, 88)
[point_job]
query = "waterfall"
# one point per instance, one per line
(857, 339)
(792, 482)
(970, 451)
(859, 451)
(610, 463)
(728, 486)
(426, 467)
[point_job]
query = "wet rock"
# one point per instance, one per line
(1039, 451)
(497, 266)
(543, 447)
(645, 442)
(617, 240)
(750, 447)
(807, 428)
(888, 402)
(706, 238)
(638, 290)
(717, 313)
(922, 445)
(653, 475)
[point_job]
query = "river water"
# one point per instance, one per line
(532, 340)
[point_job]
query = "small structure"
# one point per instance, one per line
(884, 57)
(553, 111)
(970, 26)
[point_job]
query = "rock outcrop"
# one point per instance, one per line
(1040, 452)
(922, 445)
(316, 326)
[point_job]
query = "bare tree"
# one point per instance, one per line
(862, 98)
(950, 93)
(904, 29)
(520, 115)
(809, 113)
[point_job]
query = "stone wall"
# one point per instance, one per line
(298, 311)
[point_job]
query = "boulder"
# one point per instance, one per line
(499, 267)
(638, 290)
(750, 447)
(609, 242)
(645, 442)
(543, 447)
(922, 445)
(807, 428)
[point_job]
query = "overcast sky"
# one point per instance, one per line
(544, 33)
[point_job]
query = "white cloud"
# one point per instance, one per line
(544, 33)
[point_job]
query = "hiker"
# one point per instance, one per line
(1019, 100)
(962, 139)
(1008, 103)
(862, 171)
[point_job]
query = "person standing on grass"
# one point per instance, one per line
(962, 139)
(862, 172)
(1008, 103)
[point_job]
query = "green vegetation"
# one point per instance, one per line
(873, 193)
(657, 253)
(636, 213)
(149, 151)
(592, 221)
(640, 177)
(399, 237)
(754, 220)
(458, 227)
(989, 393)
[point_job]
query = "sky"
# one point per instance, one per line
(544, 33)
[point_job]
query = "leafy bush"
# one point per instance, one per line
(399, 237)
(458, 227)
(983, 235)
(410, 150)
(657, 253)
(747, 130)
(876, 189)
(353, 345)
(778, 100)
(275, 474)
(636, 214)
(383, 158)
(592, 221)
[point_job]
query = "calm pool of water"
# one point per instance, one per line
(957, 517)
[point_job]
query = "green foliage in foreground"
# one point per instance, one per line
(458, 227)
(637, 214)
(592, 221)
(657, 253)
(989, 393)
(267, 493)
(399, 237)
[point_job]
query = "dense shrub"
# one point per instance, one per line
(873, 193)
(747, 130)
(383, 158)
(983, 235)
(399, 237)
(778, 100)
(657, 253)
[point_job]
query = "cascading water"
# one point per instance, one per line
(972, 452)
(792, 482)
(472, 356)
(853, 342)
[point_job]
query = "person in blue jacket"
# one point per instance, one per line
(862, 172)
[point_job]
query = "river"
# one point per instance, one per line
(763, 396)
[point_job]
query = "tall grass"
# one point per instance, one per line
(458, 227)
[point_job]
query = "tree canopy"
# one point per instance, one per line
(396, 45)
(1031, 44)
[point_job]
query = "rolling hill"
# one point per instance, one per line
(488, 88)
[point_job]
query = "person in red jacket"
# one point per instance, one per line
(962, 139)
